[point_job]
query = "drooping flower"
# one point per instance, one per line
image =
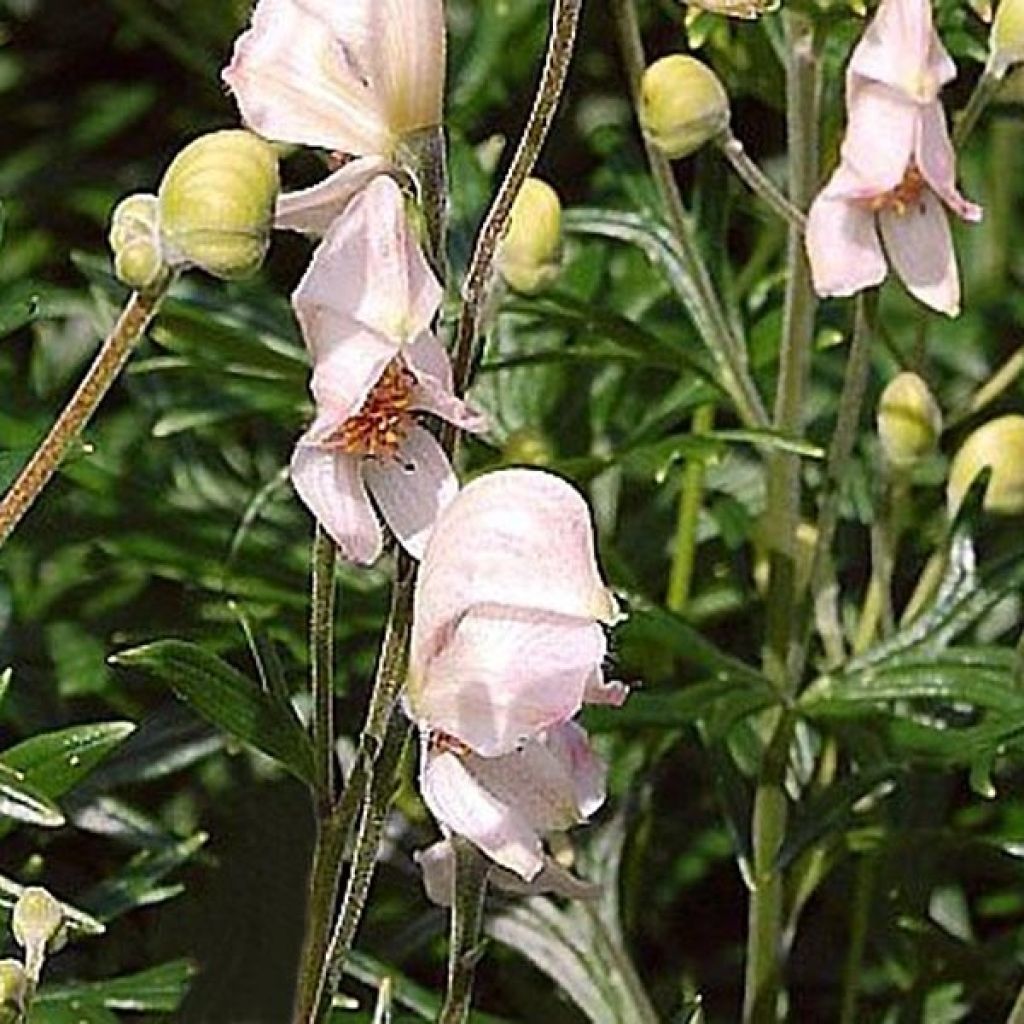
(507, 645)
(353, 77)
(365, 307)
(506, 805)
(897, 168)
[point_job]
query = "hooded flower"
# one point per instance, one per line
(897, 168)
(507, 644)
(507, 637)
(365, 307)
(505, 805)
(350, 76)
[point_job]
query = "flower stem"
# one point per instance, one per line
(860, 916)
(726, 348)
(984, 93)
(690, 494)
(765, 953)
(467, 919)
(759, 182)
(561, 44)
(321, 656)
(112, 356)
(1003, 378)
(1017, 1013)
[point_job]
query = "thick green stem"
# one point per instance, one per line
(321, 634)
(690, 494)
(765, 955)
(105, 369)
(467, 920)
(984, 92)
(860, 917)
(726, 348)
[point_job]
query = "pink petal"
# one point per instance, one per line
(429, 362)
(937, 161)
(348, 360)
(920, 248)
(296, 80)
(412, 489)
(504, 674)
(879, 142)
(532, 547)
(588, 774)
(602, 691)
(331, 486)
(437, 863)
(462, 805)
(843, 247)
(313, 210)
(370, 268)
(901, 49)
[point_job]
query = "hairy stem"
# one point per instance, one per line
(112, 356)
(759, 183)
(561, 45)
(321, 658)
(467, 920)
(765, 954)
(726, 348)
(690, 495)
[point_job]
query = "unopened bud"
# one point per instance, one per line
(1006, 40)
(909, 421)
(998, 446)
(37, 923)
(217, 204)
(683, 105)
(527, 447)
(14, 987)
(135, 241)
(530, 256)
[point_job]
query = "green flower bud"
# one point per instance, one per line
(37, 922)
(527, 447)
(217, 204)
(683, 105)
(530, 256)
(1006, 40)
(135, 240)
(999, 446)
(909, 421)
(14, 987)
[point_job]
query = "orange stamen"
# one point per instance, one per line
(905, 196)
(383, 422)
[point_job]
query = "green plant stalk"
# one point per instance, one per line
(565, 16)
(759, 183)
(690, 496)
(984, 93)
(764, 969)
(727, 350)
(860, 918)
(138, 313)
(1017, 1013)
(321, 659)
(1002, 379)
(466, 930)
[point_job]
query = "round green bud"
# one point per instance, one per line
(135, 240)
(527, 447)
(998, 446)
(14, 987)
(909, 421)
(217, 204)
(37, 918)
(530, 256)
(682, 105)
(1006, 40)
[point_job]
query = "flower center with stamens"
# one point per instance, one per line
(905, 196)
(383, 422)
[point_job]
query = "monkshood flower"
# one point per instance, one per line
(365, 307)
(507, 645)
(897, 169)
(351, 76)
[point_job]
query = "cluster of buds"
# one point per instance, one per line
(38, 924)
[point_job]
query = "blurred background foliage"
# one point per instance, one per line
(175, 519)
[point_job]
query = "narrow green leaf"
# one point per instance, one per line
(227, 698)
(22, 802)
(155, 990)
(78, 921)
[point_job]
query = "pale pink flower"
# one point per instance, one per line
(507, 636)
(350, 76)
(365, 307)
(506, 806)
(897, 168)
